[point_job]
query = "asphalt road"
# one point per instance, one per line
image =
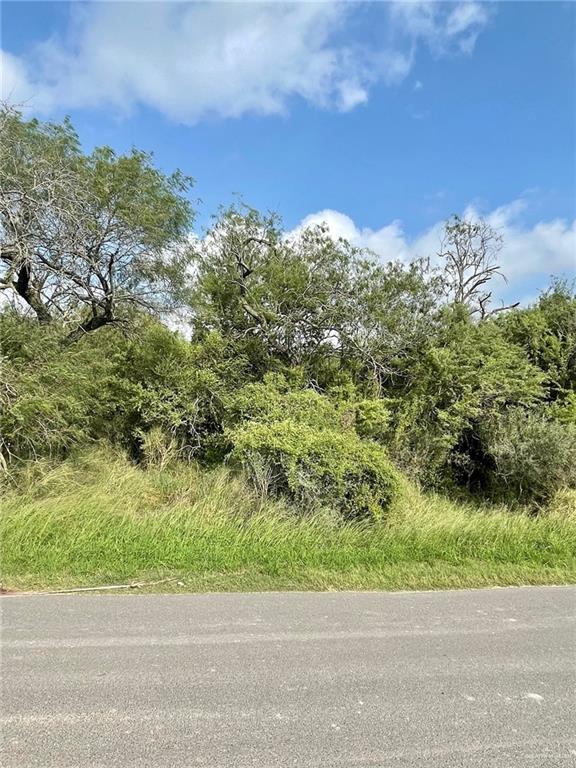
(471, 678)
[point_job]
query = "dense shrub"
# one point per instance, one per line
(532, 457)
(308, 356)
(373, 419)
(52, 399)
(311, 362)
(468, 376)
(113, 386)
(547, 334)
(273, 400)
(564, 410)
(276, 399)
(316, 467)
(180, 388)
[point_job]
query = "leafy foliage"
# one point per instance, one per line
(469, 374)
(180, 389)
(52, 399)
(532, 457)
(85, 238)
(310, 301)
(274, 400)
(316, 468)
(547, 333)
(112, 386)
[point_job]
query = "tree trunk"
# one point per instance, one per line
(92, 324)
(29, 292)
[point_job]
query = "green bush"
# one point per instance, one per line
(532, 457)
(273, 400)
(564, 410)
(546, 332)
(180, 388)
(52, 400)
(113, 386)
(373, 419)
(468, 376)
(316, 468)
(277, 399)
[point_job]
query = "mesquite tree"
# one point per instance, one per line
(308, 299)
(84, 238)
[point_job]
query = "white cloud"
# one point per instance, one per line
(547, 248)
(445, 27)
(195, 60)
(464, 24)
(389, 242)
(14, 84)
(529, 257)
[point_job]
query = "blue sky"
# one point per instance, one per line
(380, 118)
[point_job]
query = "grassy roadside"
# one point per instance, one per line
(98, 520)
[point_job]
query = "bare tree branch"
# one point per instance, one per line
(470, 251)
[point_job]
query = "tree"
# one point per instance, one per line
(307, 299)
(467, 376)
(547, 333)
(85, 238)
(283, 295)
(393, 315)
(470, 252)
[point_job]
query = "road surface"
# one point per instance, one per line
(445, 679)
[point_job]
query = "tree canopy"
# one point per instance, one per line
(84, 238)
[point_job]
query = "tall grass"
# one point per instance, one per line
(97, 519)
